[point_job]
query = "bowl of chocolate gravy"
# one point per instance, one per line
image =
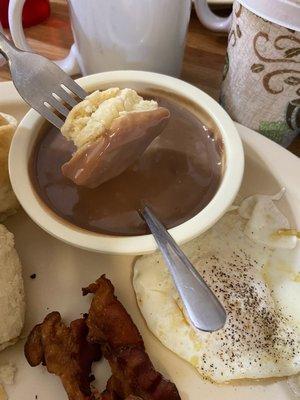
(189, 175)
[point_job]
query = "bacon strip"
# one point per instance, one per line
(111, 326)
(65, 352)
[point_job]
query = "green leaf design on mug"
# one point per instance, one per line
(274, 130)
(292, 80)
(256, 68)
(293, 52)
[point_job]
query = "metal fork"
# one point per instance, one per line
(41, 83)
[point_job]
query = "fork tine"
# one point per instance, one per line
(65, 96)
(50, 116)
(57, 105)
(74, 87)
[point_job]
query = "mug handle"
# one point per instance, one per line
(68, 64)
(211, 20)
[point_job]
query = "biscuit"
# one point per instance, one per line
(12, 299)
(8, 201)
(92, 117)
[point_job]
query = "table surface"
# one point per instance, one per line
(203, 61)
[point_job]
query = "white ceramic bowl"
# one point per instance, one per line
(31, 124)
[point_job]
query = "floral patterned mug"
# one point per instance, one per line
(261, 82)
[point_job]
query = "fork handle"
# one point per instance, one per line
(7, 48)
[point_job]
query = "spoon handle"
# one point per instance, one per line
(202, 306)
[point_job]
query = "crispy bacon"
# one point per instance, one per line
(108, 321)
(65, 352)
(111, 326)
(70, 351)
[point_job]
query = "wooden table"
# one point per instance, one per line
(203, 61)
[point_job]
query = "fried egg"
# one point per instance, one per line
(255, 276)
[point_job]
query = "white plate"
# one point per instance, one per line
(62, 270)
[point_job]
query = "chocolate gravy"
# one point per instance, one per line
(177, 176)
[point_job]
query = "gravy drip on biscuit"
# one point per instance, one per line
(111, 154)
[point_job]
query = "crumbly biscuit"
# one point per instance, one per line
(8, 200)
(12, 299)
(92, 117)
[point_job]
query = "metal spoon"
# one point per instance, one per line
(202, 306)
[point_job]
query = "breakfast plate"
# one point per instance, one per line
(55, 272)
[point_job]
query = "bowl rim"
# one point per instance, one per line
(23, 141)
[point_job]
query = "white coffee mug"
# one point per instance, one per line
(125, 34)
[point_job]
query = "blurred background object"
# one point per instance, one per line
(147, 35)
(35, 12)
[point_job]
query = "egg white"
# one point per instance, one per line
(258, 286)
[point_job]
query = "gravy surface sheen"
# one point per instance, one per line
(177, 177)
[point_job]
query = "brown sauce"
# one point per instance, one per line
(177, 176)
